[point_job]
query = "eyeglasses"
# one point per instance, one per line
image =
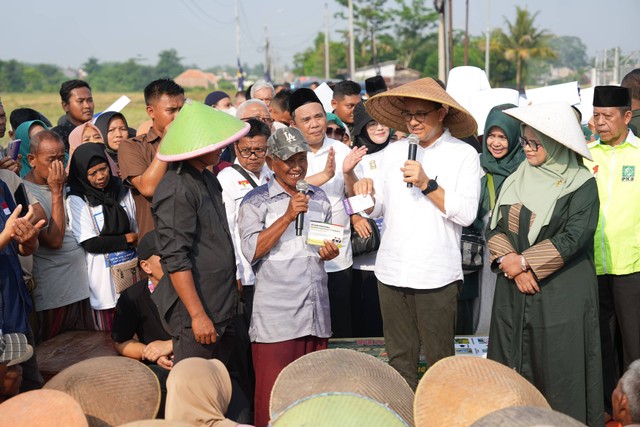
(267, 120)
(531, 143)
(245, 153)
(419, 116)
(335, 133)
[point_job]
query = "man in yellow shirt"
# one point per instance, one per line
(616, 161)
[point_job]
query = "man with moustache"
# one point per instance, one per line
(77, 103)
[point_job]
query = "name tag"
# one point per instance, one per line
(5, 209)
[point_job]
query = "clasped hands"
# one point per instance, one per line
(511, 266)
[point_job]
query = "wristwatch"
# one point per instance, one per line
(432, 185)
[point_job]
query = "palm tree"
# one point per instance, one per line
(524, 42)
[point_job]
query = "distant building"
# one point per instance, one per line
(394, 75)
(196, 78)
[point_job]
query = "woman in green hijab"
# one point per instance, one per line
(24, 133)
(545, 311)
(501, 156)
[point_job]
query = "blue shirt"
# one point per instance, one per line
(291, 298)
(16, 302)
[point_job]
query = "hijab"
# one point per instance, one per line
(538, 188)
(360, 134)
(22, 133)
(86, 156)
(500, 169)
(75, 137)
(199, 392)
(102, 123)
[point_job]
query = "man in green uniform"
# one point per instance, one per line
(616, 161)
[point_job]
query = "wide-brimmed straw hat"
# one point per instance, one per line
(526, 416)
(459, 390)
(157, 423)
(386, 107)
(341, 370)
(199, 129)
(338, 409)
(111, 390)
(51, 408)
(556, 120)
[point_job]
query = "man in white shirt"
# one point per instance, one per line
(418, 266)
(310, 118)
(248, 171)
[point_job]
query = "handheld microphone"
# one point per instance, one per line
(301, 187)
(413, 150)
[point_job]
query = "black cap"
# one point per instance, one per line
(611, 96)
(302, 96)
(148, 246)
(375, 85)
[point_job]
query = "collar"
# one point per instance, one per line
(326, 144)
(275, 189)
(631, 139)
(445, 135)
(264, 170)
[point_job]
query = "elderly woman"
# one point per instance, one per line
(102, 218)
(501, 156)
(545, 310)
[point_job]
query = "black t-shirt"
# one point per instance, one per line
(137, 314)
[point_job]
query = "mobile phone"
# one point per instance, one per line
(13, 149)
(21, 198)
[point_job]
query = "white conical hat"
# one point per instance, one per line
(557, 121)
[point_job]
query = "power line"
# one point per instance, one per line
(209, 16)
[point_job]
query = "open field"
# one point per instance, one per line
(49, 105)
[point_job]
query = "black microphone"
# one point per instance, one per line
(301, 187)
(413, 150)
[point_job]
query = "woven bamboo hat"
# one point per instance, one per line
(199, 129)
(111, 390)
(338, 409)
(157, 423)
(459, 390)
(526, 416)
(51, 408)
(340, 370)
(556, 120)
(386, 107)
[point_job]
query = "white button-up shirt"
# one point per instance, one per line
(420, 245)
(334, 189)
(234, 188)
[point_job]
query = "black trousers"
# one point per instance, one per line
(339, 284)
(619, 318)
(366, 317)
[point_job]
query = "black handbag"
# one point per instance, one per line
(365, 245)
(472, 249)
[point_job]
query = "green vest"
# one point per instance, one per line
(617, 238)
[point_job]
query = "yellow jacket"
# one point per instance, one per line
(617, 238)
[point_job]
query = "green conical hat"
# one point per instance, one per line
(199, 129)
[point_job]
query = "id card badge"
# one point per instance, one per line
(99, 219)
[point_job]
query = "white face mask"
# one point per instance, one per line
(231, 111)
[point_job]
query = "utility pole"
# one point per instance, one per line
(267, 60)
(326, 40)
(352, 58)
(239, 72)
(450, 50)
(439, 6)
(466, 34)
(487, 48)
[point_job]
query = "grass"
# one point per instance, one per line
(49, 105)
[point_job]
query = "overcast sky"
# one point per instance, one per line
(68, 32)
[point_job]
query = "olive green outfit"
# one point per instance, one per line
(552, 337)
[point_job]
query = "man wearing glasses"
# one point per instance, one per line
(418, 265)
(248, 172)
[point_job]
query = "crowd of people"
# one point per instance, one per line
(200, 235)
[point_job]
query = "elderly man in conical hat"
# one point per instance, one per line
(426, 202)
(193, 235)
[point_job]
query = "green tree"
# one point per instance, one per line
(12, 76)
(571, 52)
(311, 61)
(169, 64)
(524, 42)
(92, 65)
(415, 23)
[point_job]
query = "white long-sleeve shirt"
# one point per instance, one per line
(420, 245)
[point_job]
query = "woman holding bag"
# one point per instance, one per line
(501, 156)
(102, 218)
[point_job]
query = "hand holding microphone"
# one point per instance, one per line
(413, 151)
(302, 187)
